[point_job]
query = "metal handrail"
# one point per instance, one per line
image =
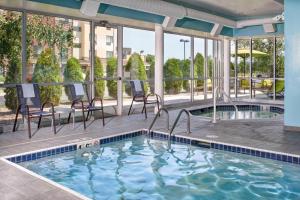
(215, 104)
(177, 119)
(157, 115)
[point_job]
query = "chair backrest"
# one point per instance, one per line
(28, 94)
(77, 91)
(137, 88)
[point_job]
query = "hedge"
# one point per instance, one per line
(137, 69)
(172, 70)
(111, 70)
(98, 74)
(47, 70)
(72, 73)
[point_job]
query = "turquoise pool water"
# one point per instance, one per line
(142, 168)
(245, 114)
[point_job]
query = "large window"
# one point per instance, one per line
(243, 68)
(199, 68)
(177, 54)
(261, 77)
(105, 66)
(138, 59)
(262, 67)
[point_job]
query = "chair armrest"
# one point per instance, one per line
(48, 103)
(97, 99)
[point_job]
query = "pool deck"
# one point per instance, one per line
(17, 184)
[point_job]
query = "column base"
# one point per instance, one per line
(291, 128)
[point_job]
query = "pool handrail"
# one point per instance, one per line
(215, 104)
(157, 115)
(177, 119)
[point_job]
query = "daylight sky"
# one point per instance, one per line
(138, 40)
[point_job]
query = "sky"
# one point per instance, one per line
(138, 40)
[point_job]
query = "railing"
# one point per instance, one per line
(177, 119)
(215, 104)
(157, 115)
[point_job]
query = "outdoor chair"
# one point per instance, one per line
(77, 95)
(30, 106)
(138, 93)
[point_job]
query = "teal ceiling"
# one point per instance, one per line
(187, 23)
(130, 13)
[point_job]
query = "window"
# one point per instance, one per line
(109, 40)
(109, 54)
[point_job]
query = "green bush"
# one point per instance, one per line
(98, 74)
(172, 70)
(111, 70)
(72, 73)
(185, 66)
(137, 69)
(2, 79)
(199, 70)
(47, 70)
(150, 59)
(279, 86)
(13, 76)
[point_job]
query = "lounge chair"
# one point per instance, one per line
(77, 94)
(138, 93)
(30, 106)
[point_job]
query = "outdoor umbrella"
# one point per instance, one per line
(244, 53)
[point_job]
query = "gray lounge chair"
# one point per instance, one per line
(78, 92)
(30, 106)
(138, 93)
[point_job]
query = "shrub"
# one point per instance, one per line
(47, 70)
(98, 74)
(72, 73)
(111, 70)
(13, 76)
(185, 66)
(199, 70)
(172, 70)
(150, 59)
(136, 67)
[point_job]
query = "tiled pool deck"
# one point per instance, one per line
(16, 184)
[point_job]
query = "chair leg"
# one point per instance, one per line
(157, 102)
(130, 107)
(53, 119)
(69, 117)
(83, 116)
(145, 109)
(16, 118)
(87, 117)
(103, 117)
(28, 125)
(39, 123)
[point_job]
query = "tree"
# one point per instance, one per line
(150, 59)
(199, 69)
(73, 73)
(39, 29)
(136, 67)
(185, 66)
(111, 70)
(98, 75)
(47, 70)
(172, 71)
(13, 76)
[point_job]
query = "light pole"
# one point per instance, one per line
(184, 41)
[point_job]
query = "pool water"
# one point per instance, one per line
(245, 114)
(142, 168)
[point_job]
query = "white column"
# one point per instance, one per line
(159, 61)
(120, 70)
(226, 77)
